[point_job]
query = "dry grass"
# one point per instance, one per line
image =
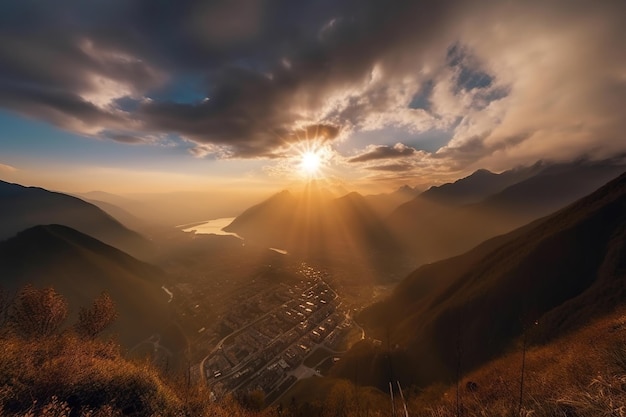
(45, 376)
(65, 376)
(583, 374)
(49, 372)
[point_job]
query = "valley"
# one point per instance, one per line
(372, 208)
(259, 333)
(235, 316)
(297, 322)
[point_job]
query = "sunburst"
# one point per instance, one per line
(310, 163)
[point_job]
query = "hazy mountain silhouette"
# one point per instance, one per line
(438, 224)
(551, 188)
(384, 204)
(114, 199)
(24, 207)
(550, 276)
(479, 185)
(267, 220)
(81, 267)
(123, 216)
(170, 209)
(316, 225)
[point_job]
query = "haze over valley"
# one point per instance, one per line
(317, 209)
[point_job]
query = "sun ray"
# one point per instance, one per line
(310, 163)
(311, 159)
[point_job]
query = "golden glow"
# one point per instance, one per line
(310, 163)
(312, 160)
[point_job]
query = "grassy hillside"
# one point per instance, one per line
(64, 375)
(582, 374)
(80, 268)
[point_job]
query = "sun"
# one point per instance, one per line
(310, 163)
(310, 160)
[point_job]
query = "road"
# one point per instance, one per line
(241, 330)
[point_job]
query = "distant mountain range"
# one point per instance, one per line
(450, 219)
(24, 207)
(80, 268)
(385, 204)
(548, 277)
(424, 227)
(480, 185)
(170, 209)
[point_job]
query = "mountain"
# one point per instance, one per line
(549, 277)
(384, 204)
(80, 268)
(551, 188)
(24, 207)
(110, 198)
(479, 185)
(267, 220)
(438, 224)
(123, 216)
(317, 226)
(171, 209)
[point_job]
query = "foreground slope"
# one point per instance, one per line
(581, 374)
(551, 276)
(80, 268)
(23, 207)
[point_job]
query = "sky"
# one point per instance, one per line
(155, 95)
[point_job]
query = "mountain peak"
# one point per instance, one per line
(353, 195)
(481, 171)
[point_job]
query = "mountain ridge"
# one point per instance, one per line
(80, 267)
(549, 277)
(24, 207)
(437, 228)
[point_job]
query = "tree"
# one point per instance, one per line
(38, 312)
(92, 321)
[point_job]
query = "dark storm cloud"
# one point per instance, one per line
(275, 72)
(60, 107)
(399, 150)
(246, 113)
(259, 107)
(269, 65)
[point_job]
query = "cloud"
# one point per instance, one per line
(7, 168)
(391, 167)
(123, 137)
(277, 73)
(372, 152)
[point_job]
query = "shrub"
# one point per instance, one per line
(92, 321)
(38, 312)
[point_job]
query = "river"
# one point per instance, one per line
(209, 227)
(215, 227)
